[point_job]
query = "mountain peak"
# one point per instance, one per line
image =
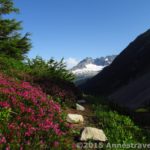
(89, 67)
(101, 61)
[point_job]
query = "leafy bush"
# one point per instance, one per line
(54, 79)
(13, 67)
(52, 76)
(37, 68)
(65, 90)
(118, 128)
(49, 69)
(32, 120)
(4, 114)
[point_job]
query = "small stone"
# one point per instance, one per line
(79, 107)
(81, 101)
(75, 118)
(95, 134)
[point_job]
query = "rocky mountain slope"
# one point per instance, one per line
(126, 80)
(90, 67)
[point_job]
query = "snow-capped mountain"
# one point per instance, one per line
(89, 67)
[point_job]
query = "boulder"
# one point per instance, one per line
(81, 101)
(79, 107)
(95, 134)
(75, 118)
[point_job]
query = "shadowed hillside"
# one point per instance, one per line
(126, 79)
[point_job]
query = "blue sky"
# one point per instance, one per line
(75, 29)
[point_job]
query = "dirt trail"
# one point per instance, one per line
(89, 120)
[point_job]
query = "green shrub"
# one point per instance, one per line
(13, 67)
(49, 69)
(52, 76)
(119, 129)
(4, 114)
(37, 68)
(4, 119)
(147, 109)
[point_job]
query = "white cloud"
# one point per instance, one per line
(71, 62)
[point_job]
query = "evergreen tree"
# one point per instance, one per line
(12, 43)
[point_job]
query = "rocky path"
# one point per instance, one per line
(84, 124)
(87, 115)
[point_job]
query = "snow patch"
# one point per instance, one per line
(106, 59)
(88, 68)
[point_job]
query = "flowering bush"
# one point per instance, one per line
(52, 76)
(66, 91)
(32, 120)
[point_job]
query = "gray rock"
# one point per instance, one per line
(81, 101)
(95, 134)
(79, 107)
(75, 118)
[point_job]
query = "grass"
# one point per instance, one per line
(119, 129)
(143, 110)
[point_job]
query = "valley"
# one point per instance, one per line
(61, 90)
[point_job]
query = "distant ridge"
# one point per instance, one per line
(127, 80)
(89, 67)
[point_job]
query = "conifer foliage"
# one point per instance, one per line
(12, 43)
